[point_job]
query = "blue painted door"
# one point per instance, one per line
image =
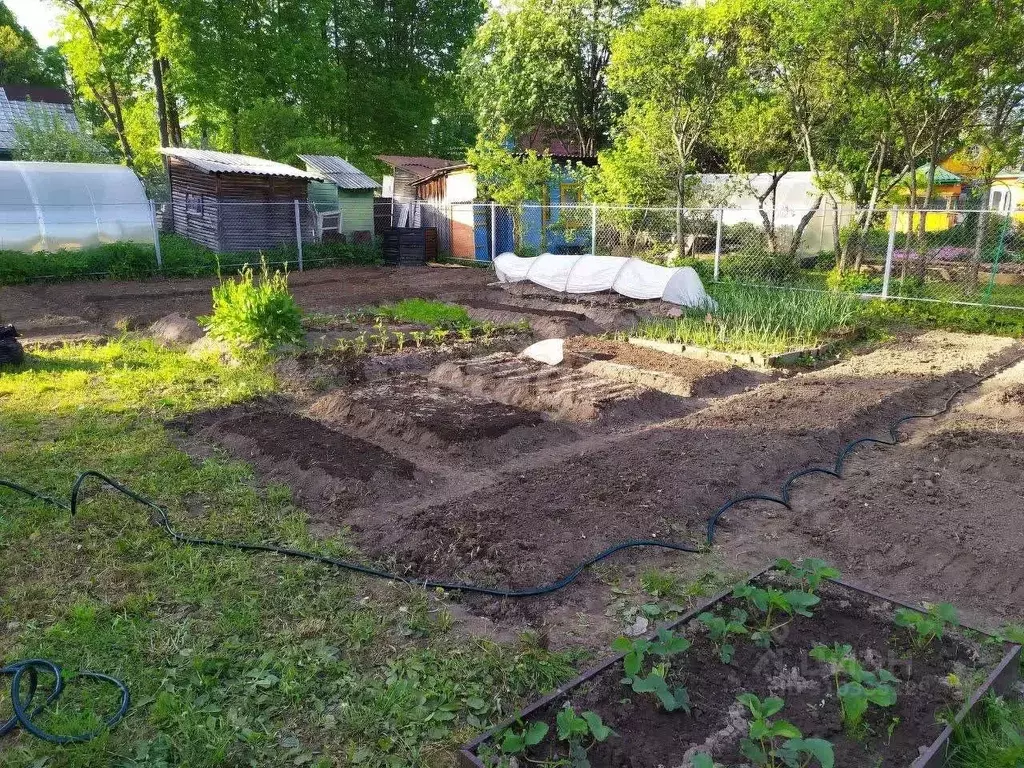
(482, 233)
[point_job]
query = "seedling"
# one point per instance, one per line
(636, 650)
(488, 330)
(860, 688)
(721, 629)
(517, 742)
(775, 744)
(575, 729)
(466, 333)
(360, 344)
(439, 335)
(418, 337)
(770, 603)
(810, 572)
(929, 625)
(400, 340)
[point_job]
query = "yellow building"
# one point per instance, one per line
(942, 213)
(1007, 193)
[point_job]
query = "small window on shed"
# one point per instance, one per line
(193, 203)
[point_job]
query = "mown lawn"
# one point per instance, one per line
(232, 658)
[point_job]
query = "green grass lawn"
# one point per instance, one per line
(232, 658)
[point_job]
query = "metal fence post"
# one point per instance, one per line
(889, 251)
(298, 231)
(156, 237)
(718, 243)
(494, 231)
(593, 228)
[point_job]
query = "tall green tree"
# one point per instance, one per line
(22, 61)
(539, 67)
(675, 68)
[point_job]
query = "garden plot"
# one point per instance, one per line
(563, 392)
(938, 518)
(845, 677)
(667, 373)
(411, 409)
(662, 482)
(325, 468)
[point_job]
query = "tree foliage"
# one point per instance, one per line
(22, 61)
(46, 137)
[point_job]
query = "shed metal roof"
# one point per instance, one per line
(341, 172)
(224, 162)
(441, 172)
(19, 103)
(942, 176)
(421, 166)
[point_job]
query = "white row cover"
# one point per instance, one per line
(55, 206)
(634, 278)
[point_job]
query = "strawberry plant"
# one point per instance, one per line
(779, 744)
(574, 729)
(810, 572)
(771, 602)
(637, 649)
(856, 687)
(721, 629)
(516, 742)
(931, 624)
(703, 761)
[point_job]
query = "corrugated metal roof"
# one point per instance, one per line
(225, 162)
(942, 176)
(441, 172)
(341, 172)
(14, 111)
(421, 166)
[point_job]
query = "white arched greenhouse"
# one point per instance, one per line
(57, 206)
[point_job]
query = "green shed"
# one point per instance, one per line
(348, 191)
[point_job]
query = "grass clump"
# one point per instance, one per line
(993, 737)
(762, 320)
(424, 312)
(262, 312)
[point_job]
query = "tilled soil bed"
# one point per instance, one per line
(890, 737)
(663, 482)
(324, 468)
(939, 517)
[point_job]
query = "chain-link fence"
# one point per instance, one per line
(190, 236)
(968, 257)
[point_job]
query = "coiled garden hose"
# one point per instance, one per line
(23, 717)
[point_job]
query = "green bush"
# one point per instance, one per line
(852, 282)
(260, 312)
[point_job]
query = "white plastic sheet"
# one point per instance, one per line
(633, 278)
(53, 206)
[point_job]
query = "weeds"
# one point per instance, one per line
(659, 584)
(861, 687)
(248, 311)
(665, 646)
(774, 744)
(930, 624)
(423, 312)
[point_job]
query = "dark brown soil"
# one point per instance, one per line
(649, 736)
(671, 373)
(100, 306)
(938, 517)
(417, 412)
(325, 468)
(528, 526)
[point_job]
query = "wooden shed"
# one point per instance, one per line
(406, 171)
(233, 202)
(348, 192)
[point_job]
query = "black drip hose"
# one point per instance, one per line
(23, 717)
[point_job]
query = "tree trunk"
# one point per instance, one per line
(680, 215)
(970, 276)
(161, 98)
(802, 225)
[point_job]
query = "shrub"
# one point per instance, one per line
(261, 312)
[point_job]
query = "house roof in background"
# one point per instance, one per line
(942, 176)
(19, 102)
(224, 162)
(442, 172)
(340, 172)
(419, 166)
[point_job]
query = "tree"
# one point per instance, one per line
(539, 67)
(22, 61)
(675, 68)
(46, 137)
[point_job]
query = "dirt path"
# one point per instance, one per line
(940, 517)
(99, 306)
